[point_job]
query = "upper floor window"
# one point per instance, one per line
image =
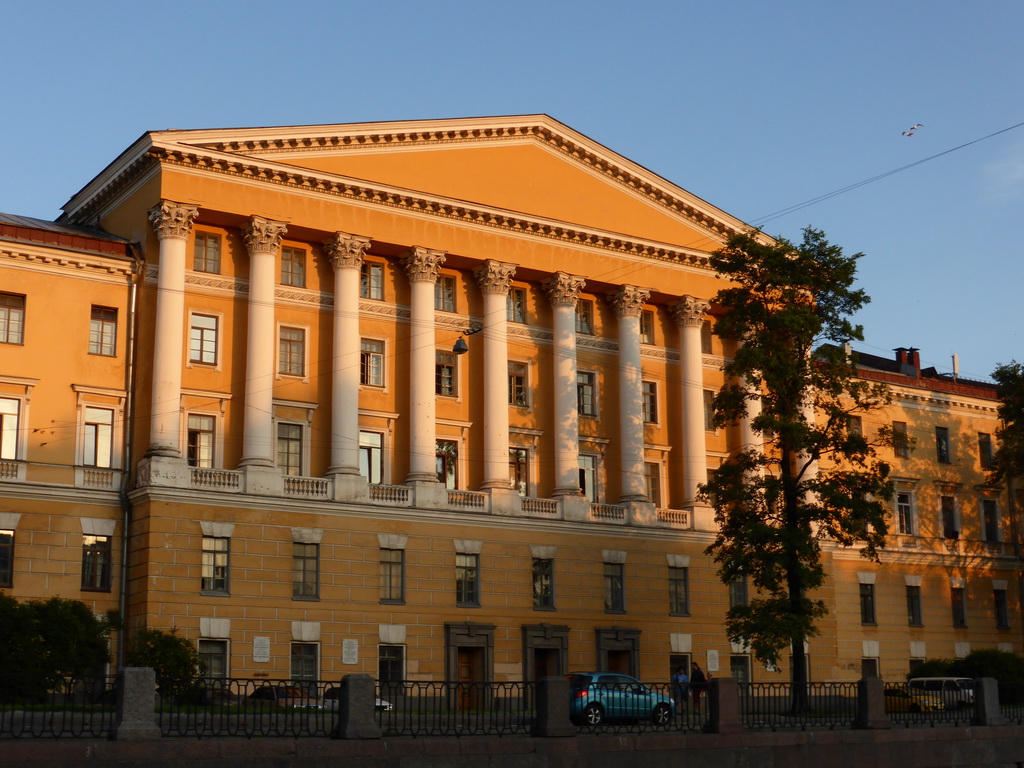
(12, 318)
(206, 257)
(1002, 606)
(905, 513)
(679, 591)
(950, 521)
(98, 437)
(292, 351)
(103, 331)
(649, 394)
(914, 606)
(467, 580)
(959, 606)
(371, 363)
(855, 424)
(371, 457)
(705, 337)
(215, 564)
(942, 453)
(371, 280)
(985, 450)
(990, 520)
(647, 327)
(293, 267)
(200, 440)
(447, 456)
(543, 583)
(202, 344)
(289, 448)
(614, 588)
(9, 412)
(445, 377)
(652, 481)
(709, 410)
(867, 603)
(392, 576)
(517, 305)
(6, 557)
(588, 476)
(96, 563)
(738, 592)
(519, 470)
(518, 384)
(900, 440)
(444, 293)
(586, 393)
(585, 316)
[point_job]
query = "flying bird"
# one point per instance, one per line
(914, 128)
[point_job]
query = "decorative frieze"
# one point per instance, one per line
(495, 276)
(345, 250)
(264, 235)
(629, 300)
(690, 311)
(422, 264)
(564, 289)
(173, 219)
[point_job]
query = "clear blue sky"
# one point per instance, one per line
(754, 106)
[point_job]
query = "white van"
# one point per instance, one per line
(955, 692)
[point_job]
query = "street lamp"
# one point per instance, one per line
(461, 347)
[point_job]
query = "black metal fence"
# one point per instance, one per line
(782, 706)
(909, 706)
(456, 709)
(54, 706)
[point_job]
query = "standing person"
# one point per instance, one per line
(680, 688)
(698, 682)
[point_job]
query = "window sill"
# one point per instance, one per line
(307, 598)
(214, 593)
(673, 613)
(389, 601)
(543, 607)
(615, 610)
(96, 589)
(467, 605)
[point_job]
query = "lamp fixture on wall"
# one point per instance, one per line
(461, 347)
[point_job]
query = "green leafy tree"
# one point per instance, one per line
(817, 477)
(1008, 459)
(174, 659)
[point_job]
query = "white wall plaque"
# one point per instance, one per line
(349, 651)
(260, 650)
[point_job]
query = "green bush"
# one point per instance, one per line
(1004, 666)
(174, 659)
(932, 668)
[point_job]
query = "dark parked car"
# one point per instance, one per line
(600, 696)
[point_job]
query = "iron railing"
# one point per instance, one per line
(908, 707)
(456, 709)
(1011, 701)
(631, 709)
(783, 706)
(38, 706)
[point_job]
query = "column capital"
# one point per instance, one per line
(173, 219)
(564, 289)
(629, 300)
(264, 235)
(495, 276)
(345, 250)
(690, 311)
(421, 264)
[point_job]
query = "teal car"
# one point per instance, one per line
(597, 697)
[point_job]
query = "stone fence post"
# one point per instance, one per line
(553, 708)
(987, 710)
(871, 705)
(723, 706)
(356, 705)
(136, 705)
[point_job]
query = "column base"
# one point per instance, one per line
(349, 487)
(166, 471)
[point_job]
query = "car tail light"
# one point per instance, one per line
(581, 693)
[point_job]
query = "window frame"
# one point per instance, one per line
(614, 587)
(8, 541)
(584, 317)
(678, 590)
(445, 293)
(367, 455)
(739, 592)
(652, 482)
(542, 575)
(446, 373)
(709, 411)
(991, 523)
(587, 394)
(519, 469)
(371, 280)
(647, 327)
(706, 334)
(293, 268)
(943, 446)
(191, 451)
(900, 440)
(915, 615)
(516, 305)
(224, 654)
(91, 445)
(290, 441)
(591, 490)
(385, 667)
(390, 571)
(203, 265)
(868, 607)
(305, 571)
(958, 606)
(308, 673)
(12, 436)
(447, 463)
(292, 353)
(906, 513)
(12, 318)
(950, 517)
(103, 331)
(467, 580)
(372, 368)
(97, 562)
(985, 450)
(215, 559)
(198, 347)
(518, 384)
(1001, 607)
(649, 401)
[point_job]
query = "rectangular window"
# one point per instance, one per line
(289, 448)
(392, 576)
(390, 664)
(990, 520)
(6, 558)
(293, 267)
(678, 591)
(98, 437)
(942, 454)
(588, 476)
(738, 592)
(371, 280)
(12, 318)
(214, 656)
(447, 455)
(647, 327)
(371, 457)
(905, 513)
(1002, 606)
(305, 570)
(445, 374)
(869, 667)
(371, 363)
(467, 580)
(216, 553)
(950, 524)
(914, 606)
(206, 257)
(614, 588)
(649, 393)
(202, 342)
(292, 352)
(9, 412)
(652, 482)
(444, 293)
(518, 384)
(985, 450)
(867, 603)
(586, 393)
(543, 583)
(856, 425)
(585, 316)
(739, 668)
(900, 440)
(519, 470)
(200, 440)
(705, 337)
(305, 666)
(516, 303)
(956, 596)
(103, 331)
(96, 563)
(709, 410)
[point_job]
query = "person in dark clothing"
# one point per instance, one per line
(698, 683)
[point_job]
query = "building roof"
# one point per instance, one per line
(25, 229)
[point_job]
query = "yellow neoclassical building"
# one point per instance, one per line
(427, 400)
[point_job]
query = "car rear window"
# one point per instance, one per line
(580, 680)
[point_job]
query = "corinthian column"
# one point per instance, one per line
(689, 316)
(628, 304)
(421, 265)
(563, 291)
(173, 225)
(346, 254)
(263, 241)
(495, 279)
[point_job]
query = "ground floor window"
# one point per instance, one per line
(305, 666)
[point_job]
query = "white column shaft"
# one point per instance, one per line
(495, 334)
(165, 426)
(631, 411)
(567, 427)
(258, 441)
(422, 358)
(345, 374)
(695, 462)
